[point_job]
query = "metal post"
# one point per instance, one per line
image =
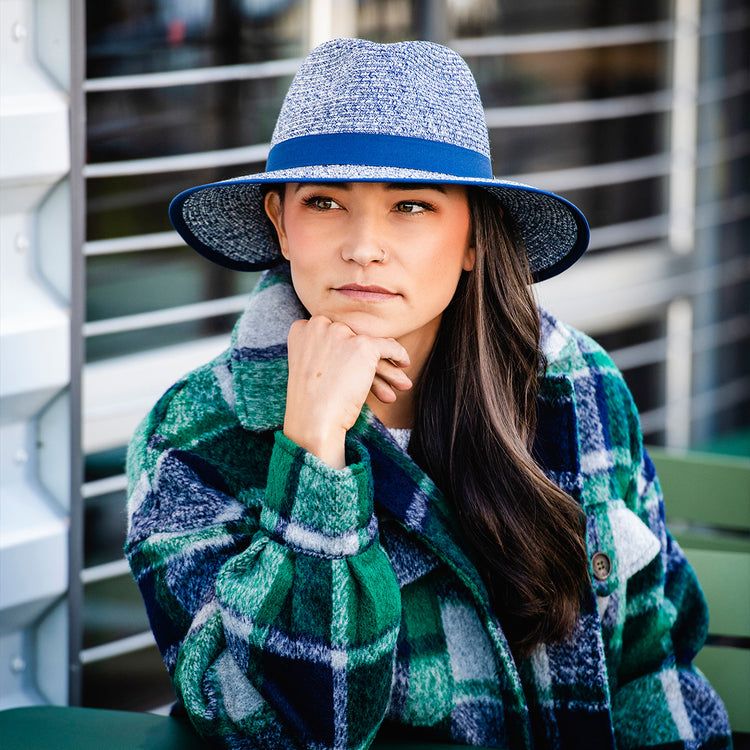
(77, 354)
(431, 20)
(684, 125)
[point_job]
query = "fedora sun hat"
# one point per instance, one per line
(358, 111)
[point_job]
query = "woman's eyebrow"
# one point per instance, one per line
(322, 185)
(415, 186)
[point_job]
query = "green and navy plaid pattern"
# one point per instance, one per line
(298, 606)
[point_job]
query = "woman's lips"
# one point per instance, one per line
(369, 293)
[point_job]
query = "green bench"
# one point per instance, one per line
(65, 728)
(707, 504)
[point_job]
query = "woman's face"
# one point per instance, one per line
(334, 236)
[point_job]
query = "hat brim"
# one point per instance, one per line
(226, 221)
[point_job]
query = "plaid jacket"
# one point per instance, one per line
(300, 606)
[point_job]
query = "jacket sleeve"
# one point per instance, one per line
(659, 620)
(272, 602)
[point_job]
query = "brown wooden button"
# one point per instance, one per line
(601, 565)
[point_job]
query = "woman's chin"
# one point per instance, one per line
(366, 324)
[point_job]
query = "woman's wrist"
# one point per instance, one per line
(329, 445)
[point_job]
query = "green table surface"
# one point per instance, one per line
(65, 728)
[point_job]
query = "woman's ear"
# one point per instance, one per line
(274, 206)
(470, 258)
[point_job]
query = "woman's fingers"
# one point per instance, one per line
(388, 379)
(382, 390)
(394, 353)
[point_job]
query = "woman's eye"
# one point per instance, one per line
(412, 207)
(321, 203)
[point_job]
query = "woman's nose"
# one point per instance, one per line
(364, 243)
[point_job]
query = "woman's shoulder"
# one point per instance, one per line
(583, 385)
(577, 364)
(200, 401)
(569, 351)
(206, 389)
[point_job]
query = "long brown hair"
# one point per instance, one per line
(474, 431)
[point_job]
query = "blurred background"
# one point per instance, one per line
(637, 111)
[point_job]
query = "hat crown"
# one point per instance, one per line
(409, 89)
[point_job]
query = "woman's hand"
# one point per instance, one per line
(331, 371)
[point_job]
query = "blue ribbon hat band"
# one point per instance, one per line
(378, 150)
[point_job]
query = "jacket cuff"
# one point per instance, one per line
(316, 509)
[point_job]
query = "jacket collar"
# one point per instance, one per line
(259, 352)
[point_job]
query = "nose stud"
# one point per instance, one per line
(363, 256)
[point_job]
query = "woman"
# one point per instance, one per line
(405, 503)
